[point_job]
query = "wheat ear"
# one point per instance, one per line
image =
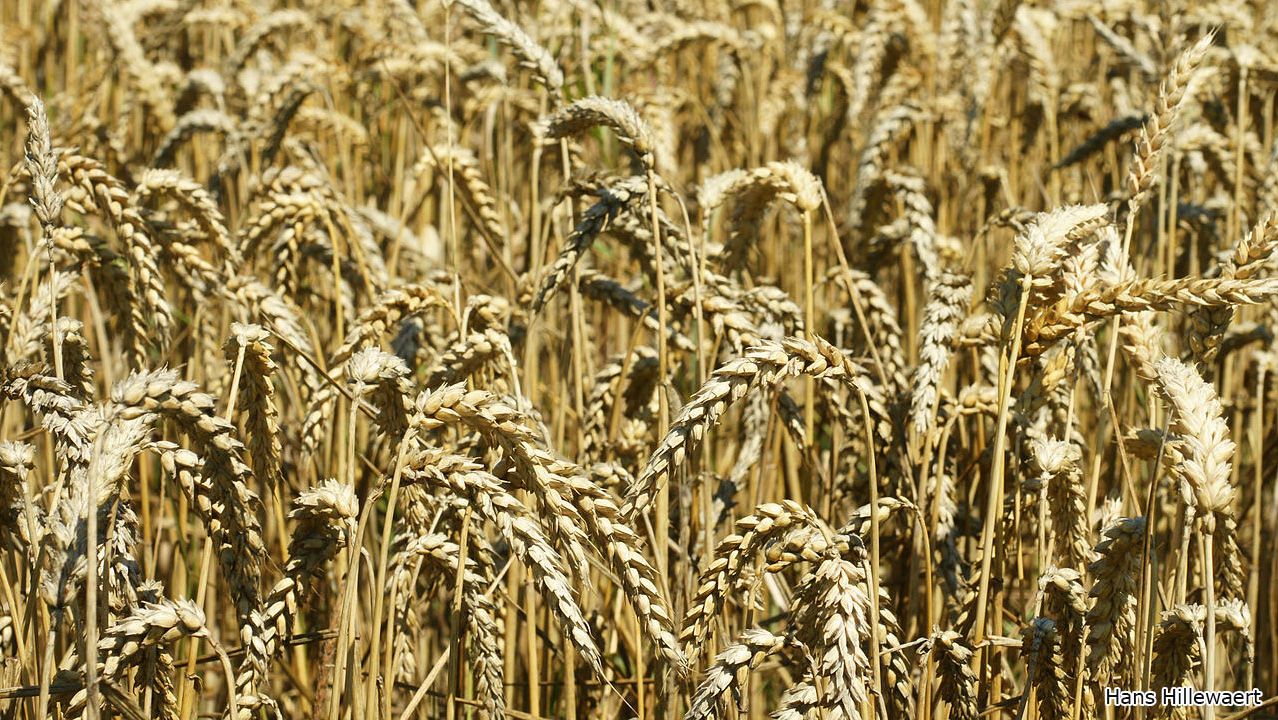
(730, 668)
(764, 365)
(325, 523)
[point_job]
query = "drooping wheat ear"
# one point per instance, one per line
(730, 668)
(279, 196)
(110, 275)
(1142, 341)
(325, 523)
(891, 127)
(1111, 132)
(112, 202)
(76, 359)
(947, 305)
(1115, 580)
(799, 701)
(1058, 466)
(863, 518)
(200, 120)
(199, 82)
(1172, 95)
(59, 409)
(256, 36)
(472, 184)
(531, 55)
(383, 378)
(217, 478)
(596, 286)
(278, 314)
(1178, 643)
(218, 17)
(132, 59)
(287, 213)
(535, 469)
(623, 548)
(12, 85)
(487, 312)
(1253, 252)
(150, 626)
(468, 356)
(682, 36)
(193, 198)
(769, 524)
(282, 98)
(619, 197)
(21, 518)
(764, 366)
(754, 192)
(771, 306)
(1139, 296)
(957, 682)
(635, 233)
(467, 479)
(832, 610)
(869, 57)
(1178, 650)
(1041, 648)
(322, 122)
(1124, 48)
(372, 323)
(882, 328)
(1065, 601)
(1040, 249)
(917, 211)
(726, 315)
(569, 497)
(285, 102)
(443, 556)
(608, 387)
(256, 398)
(616, 115)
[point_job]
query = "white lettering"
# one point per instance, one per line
(1182, 696)
(1115, 697)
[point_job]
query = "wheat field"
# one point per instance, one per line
(830, 359)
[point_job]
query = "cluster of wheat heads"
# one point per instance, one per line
(452, 359)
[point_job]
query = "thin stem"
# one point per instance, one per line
(1209, 591)
(994, 503)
